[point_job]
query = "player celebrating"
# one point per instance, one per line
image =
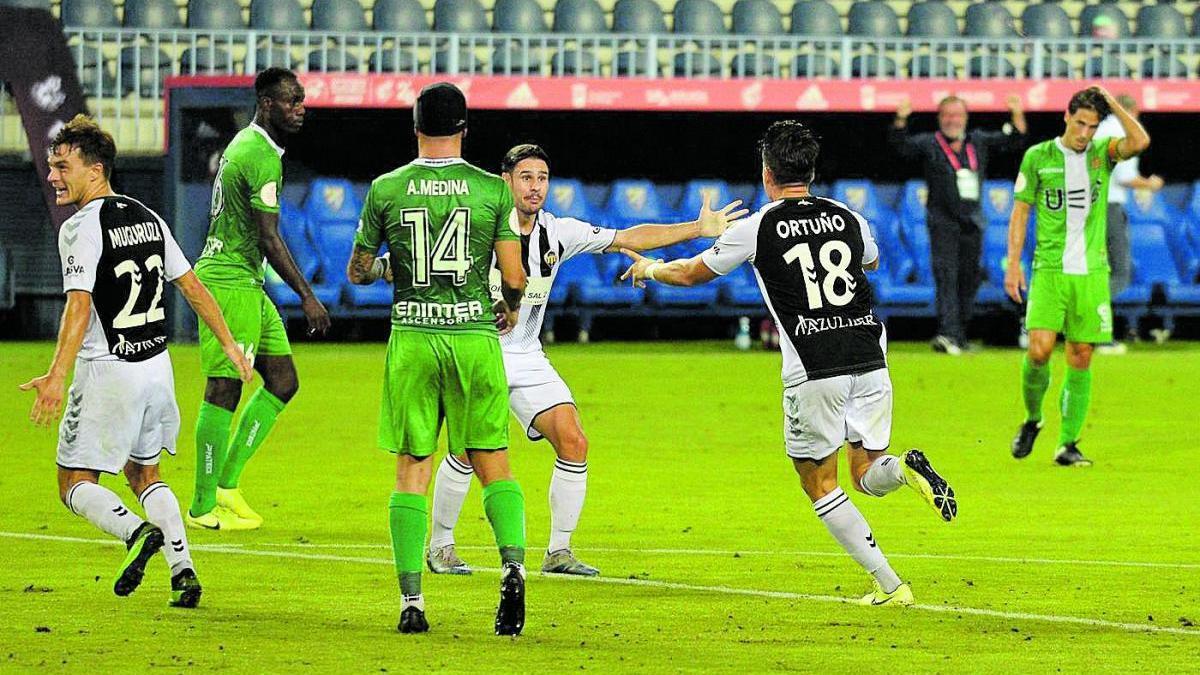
(537, 395)
(121, 412)
(442, 220)
(1067, 178)
(809, 254)
(244, 229)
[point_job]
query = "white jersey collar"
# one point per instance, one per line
(1068, 151)
(438, 161)
(274, 145)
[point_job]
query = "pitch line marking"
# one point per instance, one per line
(667, 585)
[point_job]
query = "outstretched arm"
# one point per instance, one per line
(210, 313)
(277, 253)
(708, 224)
(52, 386)
(682, 272)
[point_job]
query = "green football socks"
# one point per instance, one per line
(1035, 380)
(212, 437)
(504, 504)
(257, 419)
(408, 517)
(1075, 398)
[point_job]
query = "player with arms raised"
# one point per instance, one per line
(537, 394)
(809, 254)
(121, 413)
(443, 220)
(1067, 178)
(244, 229)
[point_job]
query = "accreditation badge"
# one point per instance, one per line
(968, 184)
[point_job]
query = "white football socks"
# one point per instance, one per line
(104, 509)
(848, 526)
(162, 509)
(449, 492)
(568, 487)
(885, 475)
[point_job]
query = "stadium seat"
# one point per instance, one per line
(518, 16)
(277, 15)
(698, 17)
(740, 288)
(26, 4)
(274, 56)
(468, 62)
(1162, 22)
(1154, 264)
(293, 228)
(579, 16)
(571, 273)
(95, 76)
(873, 18)
(932, 19)
(814, 65)
(1196, 23)
(757, 17)
(1089, 14)
(638, 16)
(997, 202)
(633, 201)
(753, 64)
(151, 14)
(1107, 65)
(693, 197)
(603, 289)
(1052, 66)
(331, 200)
(206, 61)
(1046, 20)
(393, 61)
(815, 18)
(634, 64)
(990, 65)
(662, 295)
(332, 59)
(566, 199)
(696, 64)
(931, 65)
(399, 16)
(574, 62)
(516, 59)
(913, 200)
(873, 65)
(144, 68)
(88, 14)
(861, 196)
(989, 20)
(995, 261)
(1160, 66)
(214, 15)
(338, 16)
(459, 16)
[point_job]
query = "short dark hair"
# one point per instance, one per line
(95, 145)
(522, 152)
(789, 149)
(1091, 99)
(266, 81)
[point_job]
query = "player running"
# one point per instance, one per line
(243, 230)
(537, 395)
(121, 412)
(809, 254)
(1067, 178)
(442, 220)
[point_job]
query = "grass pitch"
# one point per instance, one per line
(711, 556)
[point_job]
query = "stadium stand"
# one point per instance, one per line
(815, 18)
(152, 14)
(89, 13)
(280, 15)
(216, 15)
(579, 16)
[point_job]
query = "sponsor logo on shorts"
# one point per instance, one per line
(437, 313)
(807, 326)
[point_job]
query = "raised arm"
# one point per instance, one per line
(210, 313)
(1014, 276)
(51, 387)
(277, 254)
(1136, 139)
(901, 142)
(708, 224)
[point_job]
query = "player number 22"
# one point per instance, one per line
(126, 318)
(450, 255)
(833, 272)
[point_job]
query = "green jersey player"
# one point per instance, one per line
(1067, 180)
(443, 220)
(243, 230)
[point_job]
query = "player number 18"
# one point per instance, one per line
(833, 272)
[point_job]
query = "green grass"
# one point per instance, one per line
(686, 454)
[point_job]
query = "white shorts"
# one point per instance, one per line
(820, 415)
(118, 412)
(534, 387)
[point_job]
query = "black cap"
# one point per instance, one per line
(441, 110)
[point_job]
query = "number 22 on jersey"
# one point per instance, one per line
(451, 252)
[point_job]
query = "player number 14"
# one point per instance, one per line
(833, 272)
(450, 255)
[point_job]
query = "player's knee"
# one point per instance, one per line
(572, 447)
(284, 388)
(1040, 354)
(223, 392)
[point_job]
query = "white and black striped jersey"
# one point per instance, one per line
(122, 253)
(808, 255)
(552, 241)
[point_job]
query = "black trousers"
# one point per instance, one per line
(956, 249)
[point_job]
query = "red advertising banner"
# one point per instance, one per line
(355, 90)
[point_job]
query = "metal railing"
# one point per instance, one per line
(122, 70)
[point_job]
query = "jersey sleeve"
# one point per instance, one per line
(578, 237)
(736, 246)
(175, 263)
(79, 249)
(1025, 187)
(507, 226)
(369, 234)
(264, 179)
(870, 252)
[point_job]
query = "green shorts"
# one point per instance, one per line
(456, 377)
(254, 323)
(1076, 305)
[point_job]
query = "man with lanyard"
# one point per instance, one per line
(955, 163)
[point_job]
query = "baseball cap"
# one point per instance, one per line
(441, 110)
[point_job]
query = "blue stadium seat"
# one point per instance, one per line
(740, 288)
(215, 15)
(574, 61)
(638, 16)
(816, 18)
(1052, 66)
(694, 192)
(516, 58)
(873, 65)
(696, 64)
(393, 61)
(814, 65)
(932, 19)
(293, 227)
(990, 65)
(633, 63)
(997, 202)
(698, 17)
(634, 201)
(873, 18)
(26, 4)
(1109, 64)
(205, 60)
(753, 64)
(567, 200)
(931, 65)
(95, 76)
(518, 16)
(1090, 13)
(88, 14)
(1046, 20)
(277, 15)
(579, 16)
(331, 201)
(151, 14)
(995, 261)
(916, 241)
(338, 15)
(1150, 208)
(332, 59)
(1162, 22)
(399, 16)
(912, 201)
(265, 57)
(575, 271)
(989, 20)
(144, 68)
(459, 16)
(662, 295)
(468, 61)
(603, 289)
(1162, 65)
(1153, 263)
(861, 196)
(757, 17)
(760, 198)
